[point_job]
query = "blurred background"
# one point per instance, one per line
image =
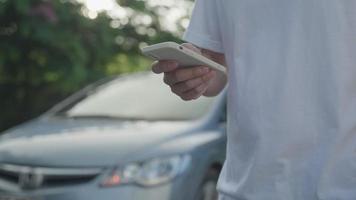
(49, 49)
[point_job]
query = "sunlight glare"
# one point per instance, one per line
(101, 5)
(170, 12)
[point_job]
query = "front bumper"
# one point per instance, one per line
(93, 192)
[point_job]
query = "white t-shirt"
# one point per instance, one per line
(291, 95)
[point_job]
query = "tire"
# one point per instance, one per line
(207, 189)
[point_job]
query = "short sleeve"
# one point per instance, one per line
(203, 30)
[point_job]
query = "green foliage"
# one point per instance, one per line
(48, 49)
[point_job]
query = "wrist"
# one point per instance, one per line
(216, 85)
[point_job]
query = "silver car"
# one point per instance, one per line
(122, 138)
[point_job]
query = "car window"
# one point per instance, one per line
(141, 96)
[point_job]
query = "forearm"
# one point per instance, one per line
(219, 81)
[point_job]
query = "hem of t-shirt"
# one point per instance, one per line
(203, 42)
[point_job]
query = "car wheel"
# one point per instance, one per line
(207, 190)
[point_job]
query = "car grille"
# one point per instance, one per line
(26, 177)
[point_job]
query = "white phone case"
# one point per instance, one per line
(184, 56)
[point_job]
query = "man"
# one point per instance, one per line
(291, 94)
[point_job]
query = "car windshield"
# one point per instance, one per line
(137, 97)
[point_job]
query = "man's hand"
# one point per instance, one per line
(188, 83)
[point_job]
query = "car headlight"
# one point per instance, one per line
(148, 173)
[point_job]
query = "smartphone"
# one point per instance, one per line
(184, 56)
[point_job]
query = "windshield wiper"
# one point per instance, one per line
(97, 117)
(123, 118)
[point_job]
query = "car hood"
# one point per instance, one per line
(64, 142)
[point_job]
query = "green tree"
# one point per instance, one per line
(48, 49)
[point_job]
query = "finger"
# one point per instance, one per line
(195, 92)
(185, 74)
(191, 47)
(164, 66)
(185, 86)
